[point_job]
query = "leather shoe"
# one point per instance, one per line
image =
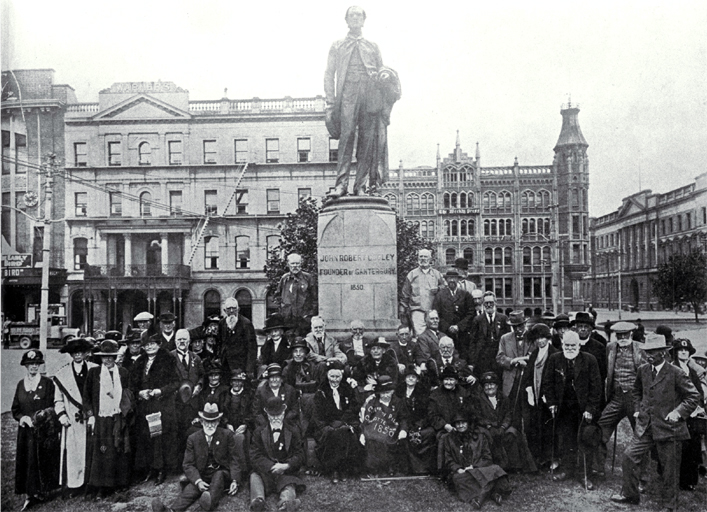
(559, 477)
(257, 505)
(588, 484)
(475, 504)
(620, 498)
(205, 500)
(150, 475)
(498, 499)
(335, 478)
(160, 478)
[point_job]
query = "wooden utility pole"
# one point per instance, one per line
(46, 250)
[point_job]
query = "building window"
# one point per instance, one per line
(80, 154)
(679, 222)
(508, 257)
(6, 154)
(272, 243)
(392, 201)
(333, 150)
(304, 149)
(116, 204)
(528, 287)
(272, 151)
(145, 204)
(431, 229)
(446, 200)
(488, 257)
(469, 255)
(273, 197)
(144, 153)
(175, 152)
(449, 256)
(210, 202)
(175, 202)
(508, 288)
(211, 252)
(242, 201)
(212, 303)
(6, 216)
(670, 225)
(209, 151)
(303, 193)
(114, 154)
(455, 231)
(80, 253)
(241, 148)
(242, 252)
(81, 202)
(21, 153)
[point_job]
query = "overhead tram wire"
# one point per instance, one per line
(65, 174)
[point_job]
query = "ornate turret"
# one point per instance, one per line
(571, 133)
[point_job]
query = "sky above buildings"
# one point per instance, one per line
(496, 71)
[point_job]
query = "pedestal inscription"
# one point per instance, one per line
(357, 258)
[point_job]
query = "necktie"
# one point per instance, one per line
(320, 343)
(208, 440)
(184, 359)
(337, 400)
(447, 362)
(655, 372)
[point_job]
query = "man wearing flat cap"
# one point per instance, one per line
(68, 404)
(456, 311)
(663, 399)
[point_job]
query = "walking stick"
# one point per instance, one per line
(552, 447)
(584, 454)
(613, 455)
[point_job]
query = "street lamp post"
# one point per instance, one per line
(544, 262)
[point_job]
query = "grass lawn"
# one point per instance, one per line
(531, 493)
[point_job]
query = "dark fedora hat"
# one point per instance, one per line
(108, 348)
(274, 321)
(274, 406)
(459, 417)
(214, 367)
(384, 383)
(378, 342)
(113, 335)
(76, 345)
(517, 318)
(410, 370)
(561, 320)
(583, 317)
(461, 263)
(32, 357)
(449, 372)
(210, 412)
(185, 391)
(452, 273)
(134, 337)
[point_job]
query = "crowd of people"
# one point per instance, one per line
(464, 392)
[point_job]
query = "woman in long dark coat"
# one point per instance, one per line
(154, 381)
(108, 405)
(422, 440)
(336, 425)
(39, 435)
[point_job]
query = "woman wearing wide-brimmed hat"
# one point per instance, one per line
(37, 459)
(691, 448)
(108, 404)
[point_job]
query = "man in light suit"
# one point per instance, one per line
(514, 351)
(485, 334)
(210, 464)
(663, 398)
(322, 347)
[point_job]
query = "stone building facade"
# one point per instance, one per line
(629, 243)
(33, 109)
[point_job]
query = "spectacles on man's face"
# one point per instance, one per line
(489, 304)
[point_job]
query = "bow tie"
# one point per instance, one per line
(278, 430)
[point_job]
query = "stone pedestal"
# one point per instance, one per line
(357, 257)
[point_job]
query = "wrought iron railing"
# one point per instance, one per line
(138, 271)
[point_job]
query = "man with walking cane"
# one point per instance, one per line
(663, 397)
(572, 387)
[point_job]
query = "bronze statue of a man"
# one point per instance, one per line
(360, 93)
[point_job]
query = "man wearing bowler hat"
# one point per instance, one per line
(210, 464)
(456, 311)
(462, 265)
(191, 380)
(590, 342)
(513, 352)
(663, 399)
(165, 338)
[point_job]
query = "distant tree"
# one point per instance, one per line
(683, 280)
(299, 234)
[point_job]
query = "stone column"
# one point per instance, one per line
(127, 238)
(165, 253)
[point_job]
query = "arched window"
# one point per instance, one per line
(144, 153)
(80, 253)
(462, 200)
(493, 200)
(245, 303)
(469, 255)
(455, 230)
(145, 204)
(413, 204)
(501, 228)
(449, 256)
(447, 228)
(462, 228)
(472, 227)
(498, 256)
(242, 251)
(428, 204)
(508, 257)
(494, 230)
(546, 256)
(509, 227)
(445, 198)
(487, 227)
(524, 225)
(423, 229)
(526, 258)
(536, 256)
(531, 227)
(488, 256)
(504, 201)
(212, 303)
(431, 228)
(470, 200)
(531, 200)
(392, 201)
(543, 199)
